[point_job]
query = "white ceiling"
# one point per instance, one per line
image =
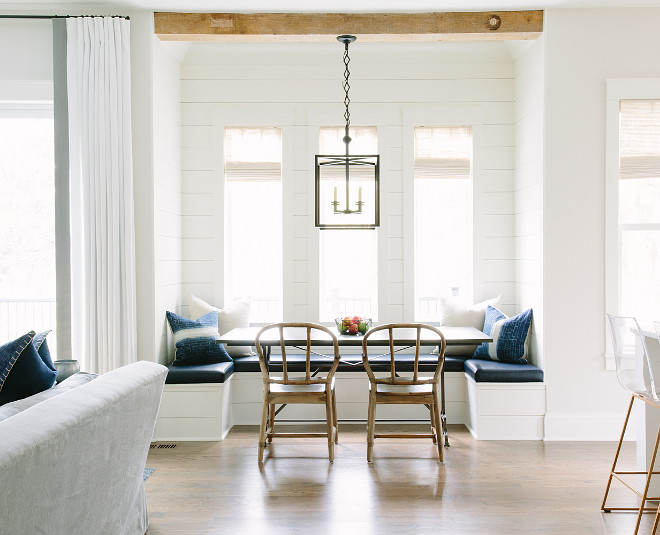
(328, 6)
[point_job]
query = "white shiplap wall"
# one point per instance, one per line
(394, 87)
(528, 186)
(168, 255)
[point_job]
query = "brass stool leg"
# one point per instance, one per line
(616, 455)
(648, 481)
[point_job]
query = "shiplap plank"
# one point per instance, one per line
(197, 226)
(197, 248)
(197, 182)
(196, 159)
(197, 271)
(167, 224)
(498, 203)
(167, 200)
(198, 204)
(363, 70)
(369, 91)
(199, 136)
(167, 248)
(498, 225)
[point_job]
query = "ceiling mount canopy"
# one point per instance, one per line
(347, 175)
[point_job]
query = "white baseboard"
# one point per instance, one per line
(586, 426)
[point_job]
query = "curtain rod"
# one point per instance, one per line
(60, 16)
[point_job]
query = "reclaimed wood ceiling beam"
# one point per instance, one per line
(315, 27)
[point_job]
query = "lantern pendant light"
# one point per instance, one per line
(347, 177)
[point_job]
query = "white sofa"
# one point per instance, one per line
(73, 463)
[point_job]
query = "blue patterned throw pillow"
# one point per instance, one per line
(195, 340)
(23, 371)
(509, 337)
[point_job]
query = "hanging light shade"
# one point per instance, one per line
(347, 185)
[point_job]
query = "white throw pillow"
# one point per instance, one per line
(237, 314)
(455, 313)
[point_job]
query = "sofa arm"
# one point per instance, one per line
(73, 463)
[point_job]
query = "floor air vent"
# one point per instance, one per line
(162, 446)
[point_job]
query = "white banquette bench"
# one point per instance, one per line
(496, 401)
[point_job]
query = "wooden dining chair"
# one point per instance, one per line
(388, 387)
(307, 387)
(636, 376)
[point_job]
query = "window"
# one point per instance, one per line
(442, 217)
(253, 220)
(639, 208)
(27, 223)
(348, 258)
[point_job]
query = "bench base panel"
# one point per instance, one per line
(506, 411)
(491, 411)
(193, 412)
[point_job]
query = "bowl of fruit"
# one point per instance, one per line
(353, 325)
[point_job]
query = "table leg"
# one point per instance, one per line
(443, 415)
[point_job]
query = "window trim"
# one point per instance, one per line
(441, 116)
(470, 260)
(616, 90)
(227, 116)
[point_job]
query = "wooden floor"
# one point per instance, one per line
(483, 487)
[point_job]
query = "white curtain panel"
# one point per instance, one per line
(102, 225)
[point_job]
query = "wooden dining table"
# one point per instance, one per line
(405, 338)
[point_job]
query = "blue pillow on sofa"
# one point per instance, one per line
(39, 342)
(509, 337)
(195, 340)
(23, 372)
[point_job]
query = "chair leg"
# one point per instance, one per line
(616, 455)
(434, 430)
(262, 430)
(329, 421)
(438, 427)
(271, 421)
(334, 416)
(655, 522)
(371, 422)
(648, 481)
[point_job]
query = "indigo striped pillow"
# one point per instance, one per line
(195, 340)
(509, 336)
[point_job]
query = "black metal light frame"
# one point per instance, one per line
(347, 161)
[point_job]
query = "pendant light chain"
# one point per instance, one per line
(346, 175)
(346, 86)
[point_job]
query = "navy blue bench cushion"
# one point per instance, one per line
(296, 362)
(487, 371)
(217, 372)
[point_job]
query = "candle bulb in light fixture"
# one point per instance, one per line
(360, 194)
(335, 193)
